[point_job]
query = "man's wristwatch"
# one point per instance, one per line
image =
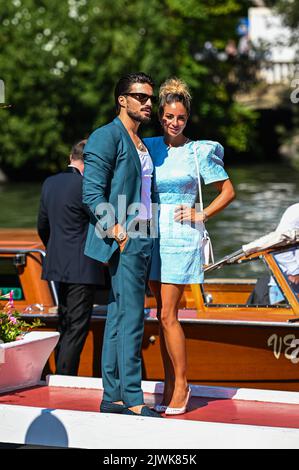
(120, 237)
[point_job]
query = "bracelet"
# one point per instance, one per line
(205, 216)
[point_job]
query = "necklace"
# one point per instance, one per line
(138, 142)
(186, 141)
(141, 146)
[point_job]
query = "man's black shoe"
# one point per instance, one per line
(110, 407)
(145, 411)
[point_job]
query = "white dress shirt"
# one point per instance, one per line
(147, 169)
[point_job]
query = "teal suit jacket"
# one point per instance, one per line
(112, 174)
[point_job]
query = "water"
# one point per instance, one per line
(263, 193)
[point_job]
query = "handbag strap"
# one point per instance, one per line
(208, 248)
(195, 147)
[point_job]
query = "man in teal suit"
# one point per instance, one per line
(117, 190)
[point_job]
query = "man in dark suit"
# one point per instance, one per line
(62, 227)
(118, 168)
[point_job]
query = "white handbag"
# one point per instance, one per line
(206, 242)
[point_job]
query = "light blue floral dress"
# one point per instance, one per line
(177, 255)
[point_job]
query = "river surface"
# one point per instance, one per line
(263, 193)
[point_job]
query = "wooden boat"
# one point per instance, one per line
(229, 341)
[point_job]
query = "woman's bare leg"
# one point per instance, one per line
(169, 377)
(175, 342)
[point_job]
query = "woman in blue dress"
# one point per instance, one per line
(177, 255)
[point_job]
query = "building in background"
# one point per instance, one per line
(271, 39)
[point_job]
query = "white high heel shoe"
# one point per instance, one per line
(179, 411)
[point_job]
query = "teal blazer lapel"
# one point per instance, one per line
(130, 143)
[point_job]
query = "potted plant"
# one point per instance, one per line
(23, 352)
(12, 326)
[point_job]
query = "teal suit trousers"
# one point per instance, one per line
(121, 353)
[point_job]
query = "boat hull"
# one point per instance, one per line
(233, 354)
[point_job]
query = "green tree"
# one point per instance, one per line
(61, 59)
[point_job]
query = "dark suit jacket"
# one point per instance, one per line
(112, 176)
(62, 226)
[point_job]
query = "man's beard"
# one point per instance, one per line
(138, 117)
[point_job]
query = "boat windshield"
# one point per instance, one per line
(288, 263)
(247, 282)
(9, 278)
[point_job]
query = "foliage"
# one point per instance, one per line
(60, 61)
(12, 327)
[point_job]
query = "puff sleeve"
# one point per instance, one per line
(210, 157)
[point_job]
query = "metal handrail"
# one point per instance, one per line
(236, 255)
(228, 259)
(32, 250)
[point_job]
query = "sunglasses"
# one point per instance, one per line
(142, 97)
